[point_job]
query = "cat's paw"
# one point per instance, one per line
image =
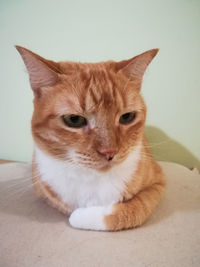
(91, 218)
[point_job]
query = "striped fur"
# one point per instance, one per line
(68, 169)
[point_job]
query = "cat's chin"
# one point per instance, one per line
(106, 166)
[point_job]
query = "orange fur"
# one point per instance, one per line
(103, 92)
(141, 196)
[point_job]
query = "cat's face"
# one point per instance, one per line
(107, 122)
(87, 114)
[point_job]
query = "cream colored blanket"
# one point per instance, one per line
(34, 234)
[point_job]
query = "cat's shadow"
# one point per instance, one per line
(165, 148)
(18, 198)
(181, 194)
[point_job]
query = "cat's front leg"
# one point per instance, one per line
(121, 215)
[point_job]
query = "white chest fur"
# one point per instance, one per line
(78, 186)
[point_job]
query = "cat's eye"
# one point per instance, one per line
(74, 121)
(127, 118)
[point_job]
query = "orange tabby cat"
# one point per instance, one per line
(91, 159)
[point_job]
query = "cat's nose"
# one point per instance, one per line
(107, 153)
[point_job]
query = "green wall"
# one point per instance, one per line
(101, 30)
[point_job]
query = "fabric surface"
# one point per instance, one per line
(34, 234)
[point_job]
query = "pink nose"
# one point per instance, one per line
(107, 153)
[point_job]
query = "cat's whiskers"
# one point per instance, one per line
(19, 183)
(157, 144)
(21, 187)
(17, 190)
(24, 179)
(83, 155)
(64, 158)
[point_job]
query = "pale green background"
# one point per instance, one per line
(101, 30)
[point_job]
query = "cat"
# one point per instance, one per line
(91, 160)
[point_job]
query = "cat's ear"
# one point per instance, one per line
(42, 72)
(135, 67)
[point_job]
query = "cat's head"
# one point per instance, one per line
(87, 113)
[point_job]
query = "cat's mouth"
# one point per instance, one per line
(107, 165)
(96, 162)
(101, 167)
(98, 166)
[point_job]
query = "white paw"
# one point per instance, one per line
(91, 218)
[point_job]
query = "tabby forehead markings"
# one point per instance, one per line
(100, 90)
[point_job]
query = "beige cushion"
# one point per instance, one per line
(34, 234)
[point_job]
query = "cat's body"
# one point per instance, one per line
(91, 159)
